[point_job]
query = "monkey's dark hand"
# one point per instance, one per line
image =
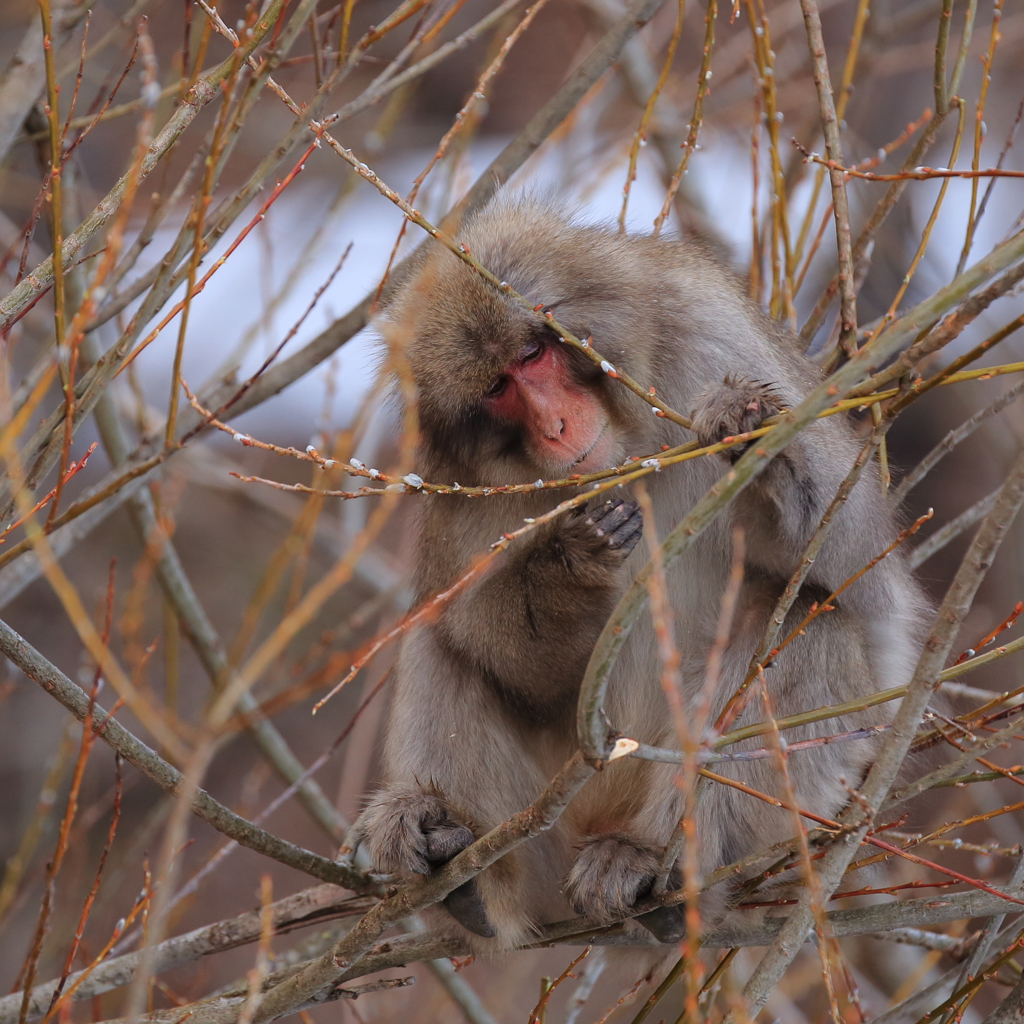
(413, 832)
(614, 871)
(733, 407)
(614, 525)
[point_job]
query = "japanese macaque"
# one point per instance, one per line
(485, 699)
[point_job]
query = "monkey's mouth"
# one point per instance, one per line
(601, 456)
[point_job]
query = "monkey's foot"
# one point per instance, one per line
(411, 832)
(733, 407)
(611, 873)
(619, 524)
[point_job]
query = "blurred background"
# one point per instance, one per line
(251, 550)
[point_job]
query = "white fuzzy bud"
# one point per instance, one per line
(356, 464)
(150, 94)
(538, 484)
(413, 480)
(310, 449)
(240, 438)
(607, 367)
(652, 464)
(374, 474)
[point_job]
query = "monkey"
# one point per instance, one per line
(483, 712)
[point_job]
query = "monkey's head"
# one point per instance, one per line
(501, 397)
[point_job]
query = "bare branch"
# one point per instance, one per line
(168, 778)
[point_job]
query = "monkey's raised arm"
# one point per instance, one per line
(542, 607)
(781, 509)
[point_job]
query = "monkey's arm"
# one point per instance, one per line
(542, 609)
(783, 506)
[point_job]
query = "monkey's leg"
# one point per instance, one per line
(624, 818)
(454, 768)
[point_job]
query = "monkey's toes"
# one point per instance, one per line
(611, 874)
(620, 522)
(444, 840)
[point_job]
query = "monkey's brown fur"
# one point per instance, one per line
(483, 712)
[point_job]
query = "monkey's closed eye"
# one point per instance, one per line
(497, 387)
(531, 351)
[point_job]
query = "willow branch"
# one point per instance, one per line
(167, 777)
(833, 146)
(320, 904)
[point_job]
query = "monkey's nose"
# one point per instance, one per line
(555, 430)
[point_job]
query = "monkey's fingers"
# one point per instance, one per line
(466, 906)
(733, 407)
(621, 522)
(609, 514)
(627, 536)
(666, 924)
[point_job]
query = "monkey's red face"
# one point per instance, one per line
(563, 422)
